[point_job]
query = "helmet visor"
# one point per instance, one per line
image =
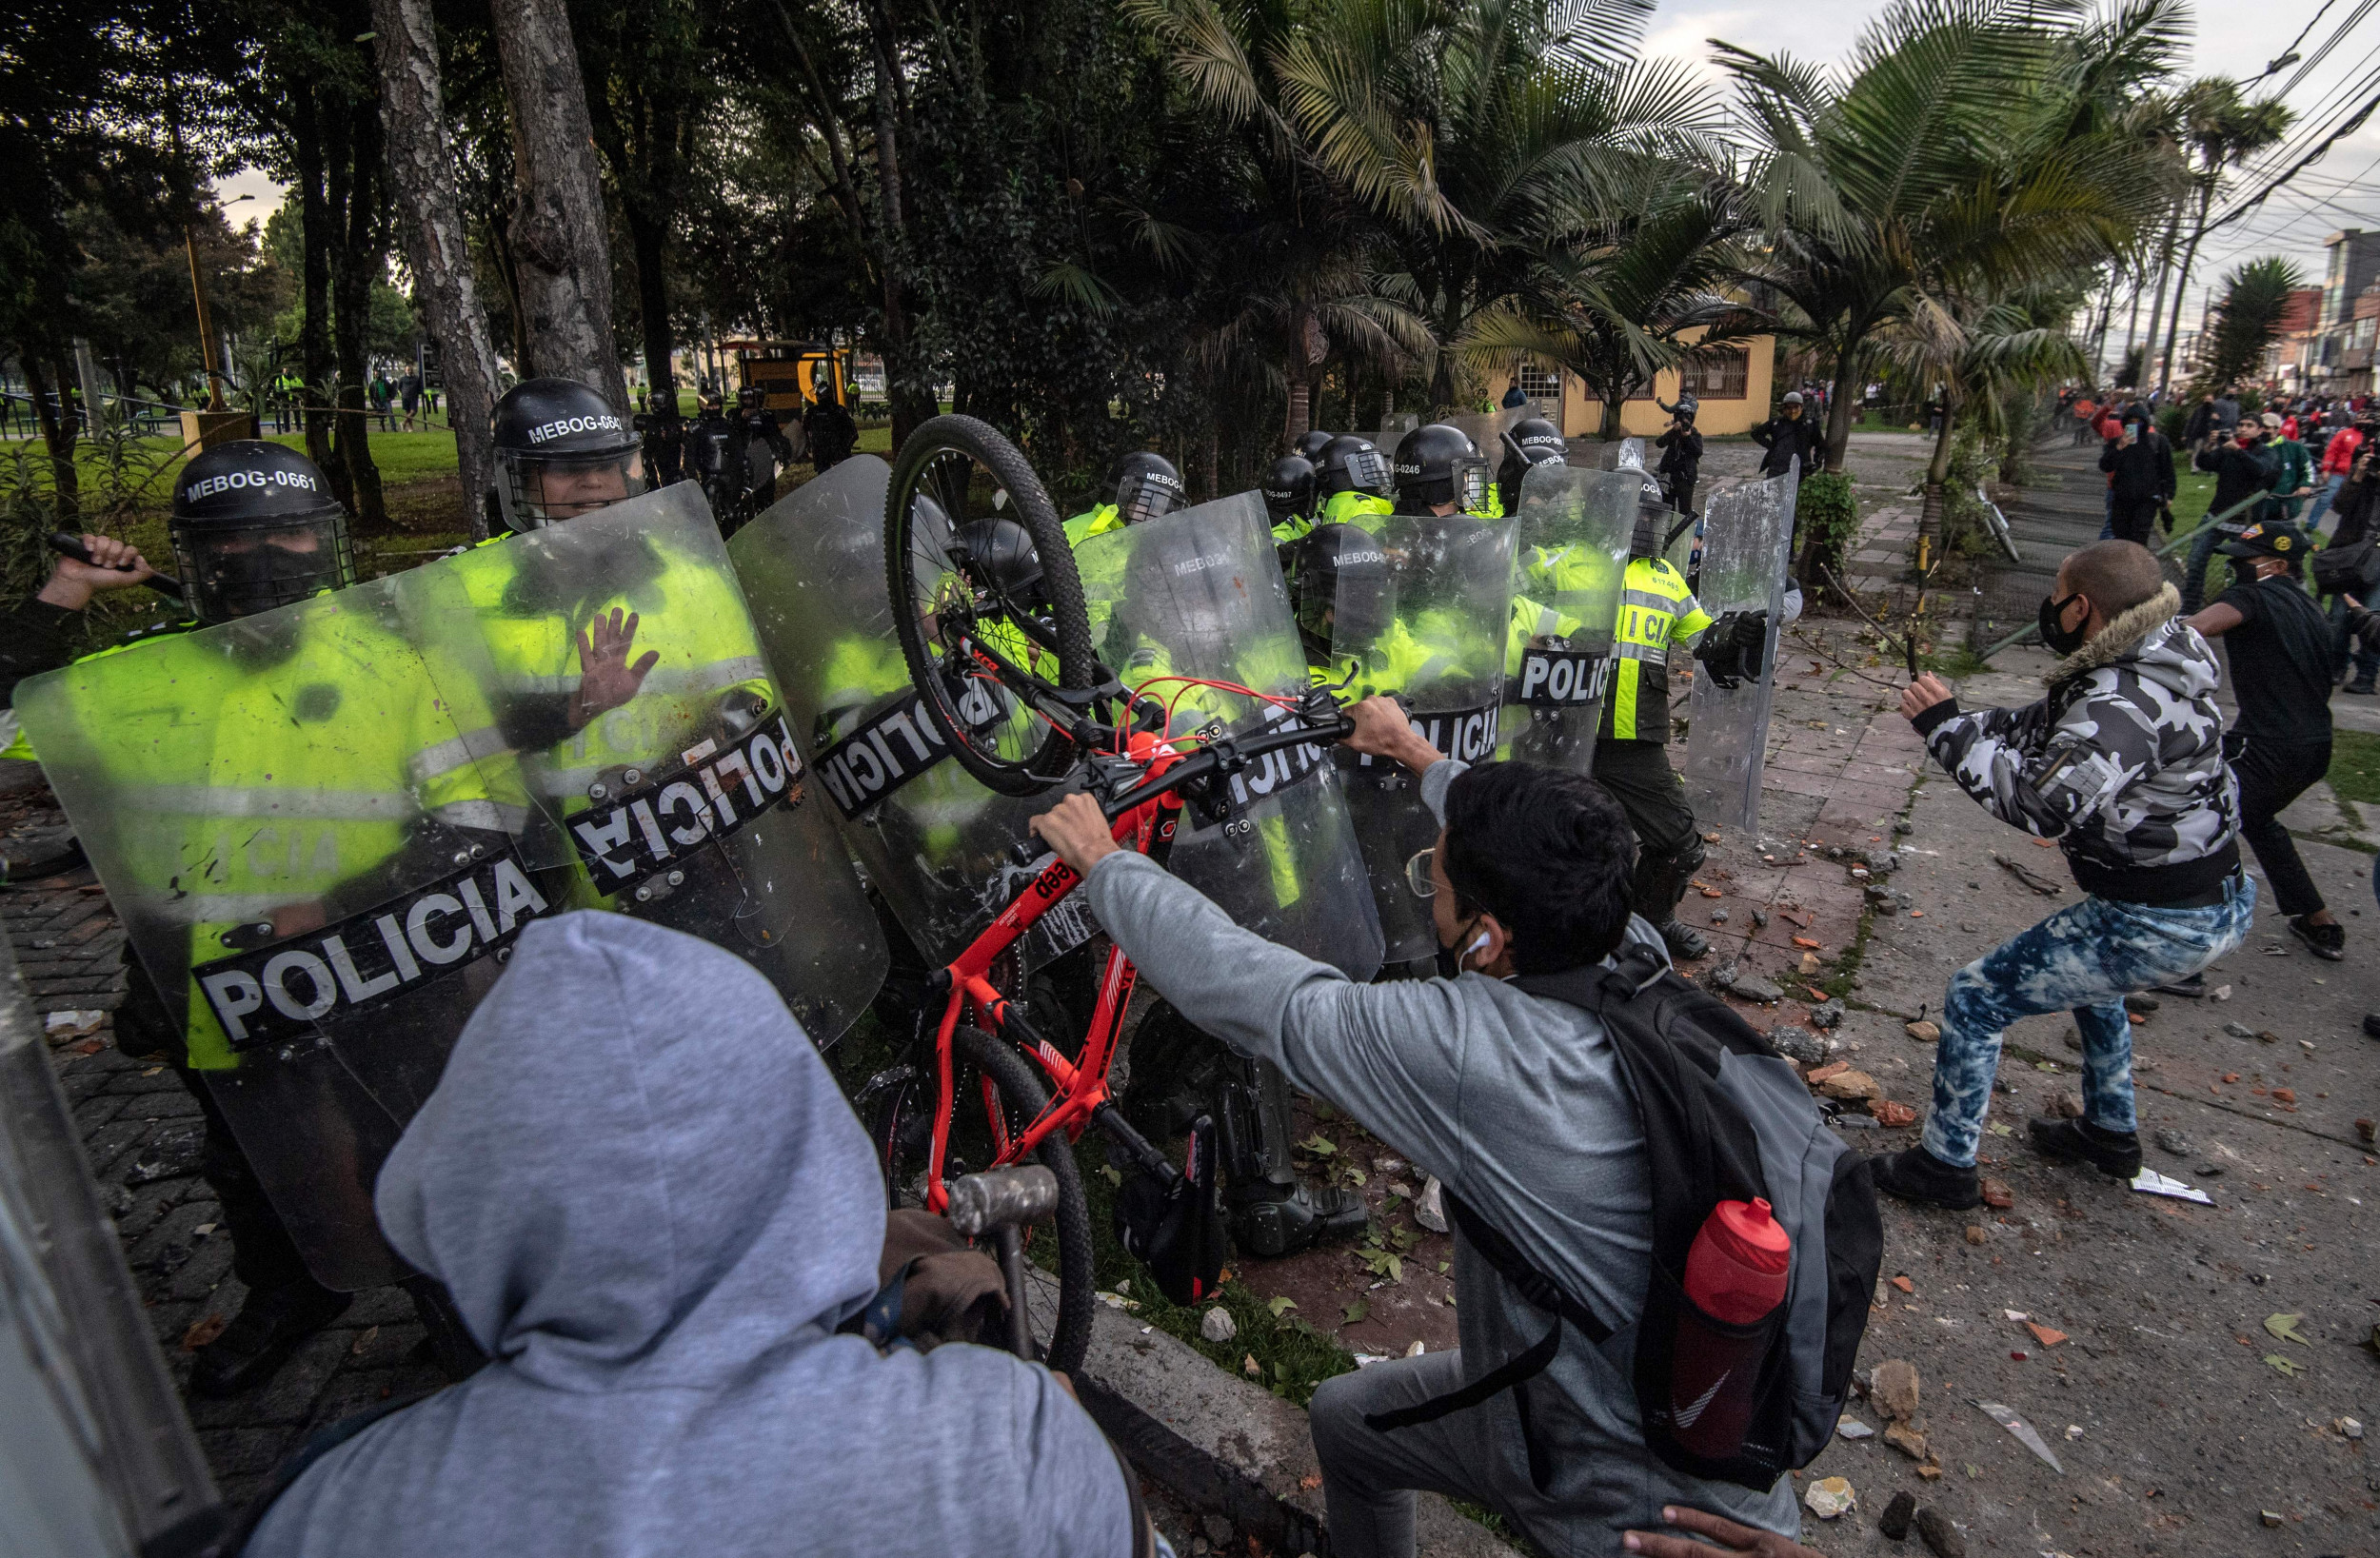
(237, 570)
(1470, 484)
(1367, 472)
(538, 490)
(1140, 500)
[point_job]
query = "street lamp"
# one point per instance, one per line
(205, 326)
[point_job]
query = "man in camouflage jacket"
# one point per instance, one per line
(2122, 763)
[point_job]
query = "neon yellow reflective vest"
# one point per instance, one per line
(1362, 509)
(1656, 611)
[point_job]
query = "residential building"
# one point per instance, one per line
(1733, 383)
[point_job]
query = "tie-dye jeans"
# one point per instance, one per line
(2085, 959)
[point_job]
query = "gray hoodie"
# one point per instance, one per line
(652, 1206)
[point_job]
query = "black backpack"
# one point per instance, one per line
(1725, 1118)
(2352, 569)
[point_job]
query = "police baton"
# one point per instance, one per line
(70, 545)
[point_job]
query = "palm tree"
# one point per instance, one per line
(1979, 349)
(2222, 130)
(1962, 148)
(2249, 319)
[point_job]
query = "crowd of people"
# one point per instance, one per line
(664, 1240)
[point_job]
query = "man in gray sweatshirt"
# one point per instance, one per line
(653, 1209)
(1513, 1101)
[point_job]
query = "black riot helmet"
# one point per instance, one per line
(1439, 464)
(1351, 465)
(1143, 485)
(560, 452)
(255, 526)
(1289, 488)
(1345, 590)
(1310, 445)
(999, 555)
(1653, 519)
(661, 402)
(752, 397)
(1532, 440)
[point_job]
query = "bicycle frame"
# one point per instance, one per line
(1078, 1088)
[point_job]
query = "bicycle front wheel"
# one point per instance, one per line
(975, 559)
(995, 1095)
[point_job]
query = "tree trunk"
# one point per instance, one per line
(2156, 310)
(57, 436)
(1938, 472)
(421, 165)
(1609, 431)
(1839, 405)
(560, 231)
(2131, 331)
(2181, 284)
(306, 133)
(1301, 411)
(912, 399)
(360, 258)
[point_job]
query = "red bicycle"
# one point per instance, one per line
(969, 621)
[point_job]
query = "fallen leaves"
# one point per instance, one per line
(203, 1332)
(2283, 1328)
(1356, 1310)
(1319, 1145)
(1281, 1305)
(2286, 1366)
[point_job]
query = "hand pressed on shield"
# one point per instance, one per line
(114, 566)
(606, 678)
(1078, 831)
(1922, 695)
(1729, 1537)
(1384, 730)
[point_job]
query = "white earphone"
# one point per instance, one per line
(1478, 942)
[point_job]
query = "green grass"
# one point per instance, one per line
(2355, 766)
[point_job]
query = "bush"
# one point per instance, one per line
(1964, 532)
(1825, 517)
(2171, 421)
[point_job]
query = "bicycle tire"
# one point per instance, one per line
(975, 1052)
(1054, 756)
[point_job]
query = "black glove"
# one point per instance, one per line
(2364, 625)
(1175, 1226)
(1735, 648)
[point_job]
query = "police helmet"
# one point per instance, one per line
(560, 452)
(752, 397)
(1346, 594)
(660, 402)
(1350, 463)
(1439, 464)
(255, 526)
(1528, 443)
(1653, 519)
(1310, 445)
(1289, 488)
(1143, 485)
(998, 554)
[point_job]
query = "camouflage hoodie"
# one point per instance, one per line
(2122, 763)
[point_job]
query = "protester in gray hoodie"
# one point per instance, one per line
(653, 1208)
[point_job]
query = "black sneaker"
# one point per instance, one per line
(1685, 943)
(2192, 986)
(1918, 1175)
(261, 1337)
(2112, 1153)
(1305, 1218)
(2361, 686)
(2328, 941)
(2371, 1024)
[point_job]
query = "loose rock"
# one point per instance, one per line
(1798, 1044)
(1827, 1014)
(2239, 1030)
(1924, 1033)
(1893, 1521)
(1889, 1116)
(1851, 1085)
(2063, 1106)
(1759, 920)
(1906, 1439)
(1892, 1389)
(1751, 987)
(1217, 1326)
(1828, 1497)
(1975, 1234)
(1940, 1535)
(1718, 917)
(2174, 1142)
(1851, 1428)
(1997, 1195)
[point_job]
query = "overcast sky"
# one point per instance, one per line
(2342, 190)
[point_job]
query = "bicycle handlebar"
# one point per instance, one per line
(1225, 755)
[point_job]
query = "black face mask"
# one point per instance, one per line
(2244, 571)
(2060, 641)
(1450, 958)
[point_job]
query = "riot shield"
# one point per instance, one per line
(1197, 595)
(95, 1456)
(319, 844)
(933, 840)
(1571, 532)
(1747, 548)
(1429, 628)
(1486, 429)
(688, 804)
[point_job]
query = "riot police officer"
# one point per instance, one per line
(827, 427)
(253, 526)
(1632, 750)
(1352, 481)
(1532, 440)
(1140, 487)
(1310, 445)
(709, 458)
(1288, 491)
(1438, 470)
(664, 436)
(753, 439)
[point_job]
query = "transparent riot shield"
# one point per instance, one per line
(1196, 596)
(320, 844)
(1428, 627)
(1747, 548)
(934, 841)
(688, 802)
(1571, 532)
(1487, 429)
(96, 1455)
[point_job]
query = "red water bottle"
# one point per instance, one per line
(1735, 1273)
